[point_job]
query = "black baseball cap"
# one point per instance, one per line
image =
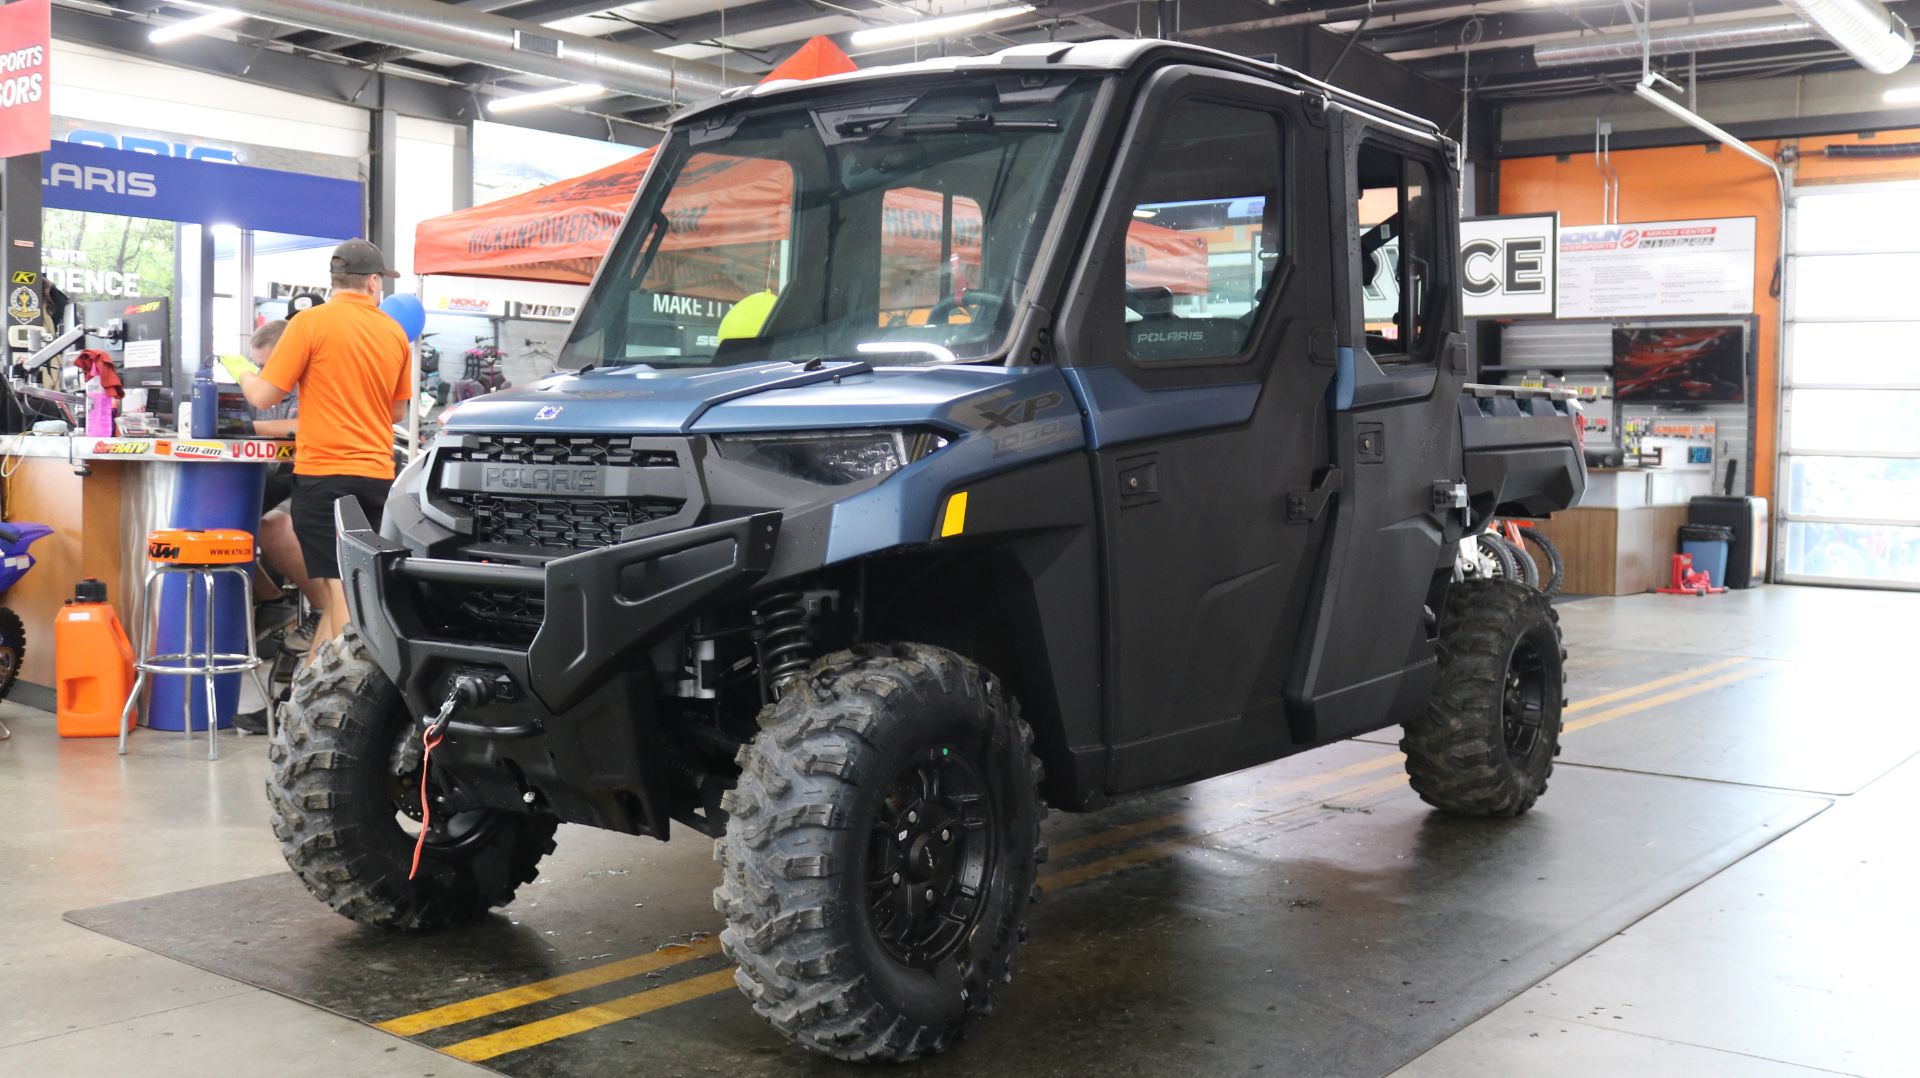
(358, 257)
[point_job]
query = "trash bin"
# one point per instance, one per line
(1707, 545)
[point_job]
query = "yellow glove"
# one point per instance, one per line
(239, 366)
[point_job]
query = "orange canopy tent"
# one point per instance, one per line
(561, 232)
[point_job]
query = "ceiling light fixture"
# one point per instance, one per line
(1901, 95)
(559, 95)
(930, 28)
(199, 24)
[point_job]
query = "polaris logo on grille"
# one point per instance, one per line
(543, 479)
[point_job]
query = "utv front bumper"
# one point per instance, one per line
(602, 607)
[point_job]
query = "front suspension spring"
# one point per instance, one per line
(786, 641)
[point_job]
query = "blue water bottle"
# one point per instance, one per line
(206, 401)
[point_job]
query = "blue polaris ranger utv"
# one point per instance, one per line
(937, 443)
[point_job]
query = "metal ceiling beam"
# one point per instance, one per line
(1846, 123)
(325, 80)
(746, 19)
(1497, 29)
(424, 26)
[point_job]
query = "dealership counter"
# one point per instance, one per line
(1621, 538)
(101, 496)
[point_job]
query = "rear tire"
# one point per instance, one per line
(1555, 568)
(880, 853)
(341, 781)
(1486, 743)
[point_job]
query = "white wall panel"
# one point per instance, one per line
(92, 84)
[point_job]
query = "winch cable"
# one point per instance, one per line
(467, 690)
(429, 737)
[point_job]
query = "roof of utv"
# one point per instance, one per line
(1108, 55)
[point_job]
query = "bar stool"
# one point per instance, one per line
(199, 556)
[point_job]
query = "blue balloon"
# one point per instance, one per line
(407, 311)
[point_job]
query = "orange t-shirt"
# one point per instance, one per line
(350, 362)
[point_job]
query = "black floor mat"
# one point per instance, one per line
(1307, 918)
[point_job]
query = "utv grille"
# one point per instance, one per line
(638, 482)
(541, 449)
(555, 525)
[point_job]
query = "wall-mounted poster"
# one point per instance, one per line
(1507, 265)
(1657, 269)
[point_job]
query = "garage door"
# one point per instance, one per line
(1849, 486)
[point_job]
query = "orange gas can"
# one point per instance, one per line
(93, 664)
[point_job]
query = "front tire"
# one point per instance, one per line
(345, 772)
(1486, 743)
(13, 649)
(880, 853)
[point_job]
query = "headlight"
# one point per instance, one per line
(830, 458)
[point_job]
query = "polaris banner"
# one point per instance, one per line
(26, 28)
(96, 180)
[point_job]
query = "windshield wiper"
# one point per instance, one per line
(984, 121)
(868, 123)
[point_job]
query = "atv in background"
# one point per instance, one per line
(938, 443)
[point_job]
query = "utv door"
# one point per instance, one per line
(1199, 338)
(1368, 658)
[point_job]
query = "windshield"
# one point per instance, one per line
(904, 229)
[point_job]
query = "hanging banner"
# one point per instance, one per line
(1657, 269)
(26, 30)
(1507, 265)
(80, 177)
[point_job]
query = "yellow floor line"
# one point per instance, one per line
(709, 984)
(1663, 698)
(577, 981)
(1649, 686)
(586, 1018)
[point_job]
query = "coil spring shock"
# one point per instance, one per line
(786, 644)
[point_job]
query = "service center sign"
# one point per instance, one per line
(26, 123)
(1507, 265)
(1657, 268)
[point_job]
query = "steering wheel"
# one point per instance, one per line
(942, 310)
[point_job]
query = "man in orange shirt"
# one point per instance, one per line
(350, 362)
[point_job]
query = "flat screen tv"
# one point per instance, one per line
(1680, 364)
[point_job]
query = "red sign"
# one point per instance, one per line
(26, 124)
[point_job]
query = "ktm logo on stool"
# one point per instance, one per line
(163, 551)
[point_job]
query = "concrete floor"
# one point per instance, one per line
(1720, 883)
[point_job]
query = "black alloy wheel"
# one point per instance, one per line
(927, 860)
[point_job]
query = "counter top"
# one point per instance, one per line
(162, 449)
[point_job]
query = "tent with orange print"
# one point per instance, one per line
(562, 231)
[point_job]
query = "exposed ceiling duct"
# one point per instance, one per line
(476, 37)
(1705, 37)
(1871, 34)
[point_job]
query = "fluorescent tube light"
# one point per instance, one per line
(931, 28)
(1901, 95)
(559, 95)
(199, 24)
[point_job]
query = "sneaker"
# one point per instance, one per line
(299, 638)
(251, 722)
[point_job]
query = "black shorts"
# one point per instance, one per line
(313, 498)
